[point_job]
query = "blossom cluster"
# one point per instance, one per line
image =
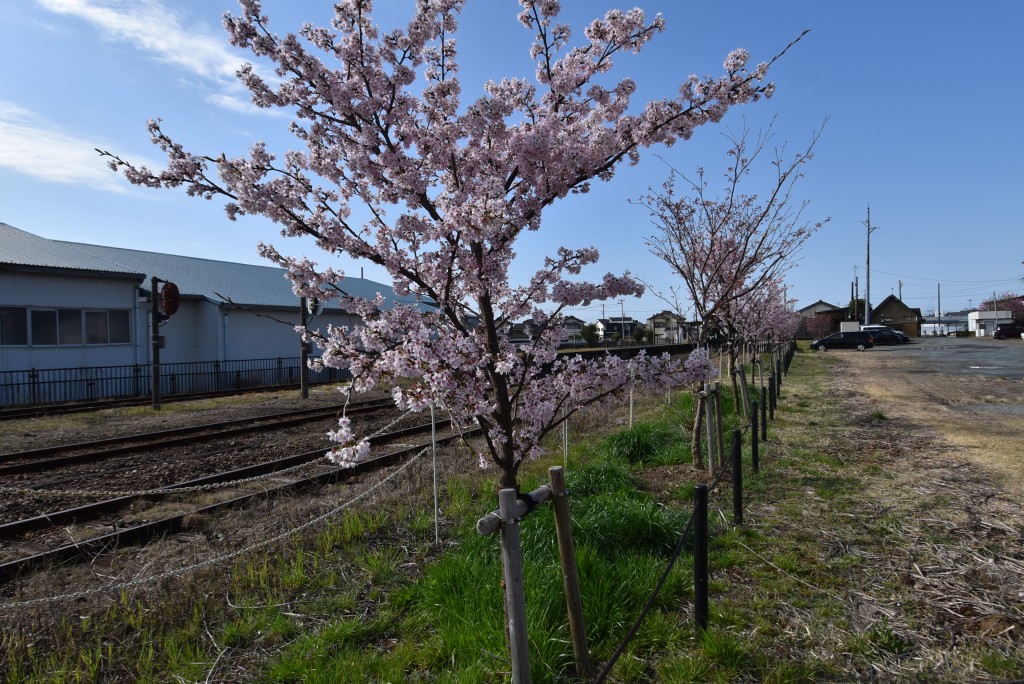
(394, 168)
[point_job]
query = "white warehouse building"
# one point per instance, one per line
(80, 308)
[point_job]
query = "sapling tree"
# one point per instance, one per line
(395, 168)
(820, 325)
(764, 314)
(724, 248)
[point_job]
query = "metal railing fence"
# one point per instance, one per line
(65, 385)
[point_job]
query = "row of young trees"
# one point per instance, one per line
(395, 168)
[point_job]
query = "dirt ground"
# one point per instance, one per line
(971, 392)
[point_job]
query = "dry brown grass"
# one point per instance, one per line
(901, 385)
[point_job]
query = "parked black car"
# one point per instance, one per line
(885, 336)
(1008, 331)
(859, 340)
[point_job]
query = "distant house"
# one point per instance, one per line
(983, 323)
(606, 327)
(667, 328)
(817, 307)
(819, 319)
(898, 316)
(573, 330)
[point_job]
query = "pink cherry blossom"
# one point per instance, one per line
(444, 187)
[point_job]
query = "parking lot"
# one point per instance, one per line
(966, 355)
(968, 390)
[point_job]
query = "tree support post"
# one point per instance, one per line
(737, 476)
(709, 417)
(744, 390)
(764, 414)
(570, 575)
(754, 447)
(515, 593)
(719, 424)
(771, 397)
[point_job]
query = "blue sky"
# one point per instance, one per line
(923, 114)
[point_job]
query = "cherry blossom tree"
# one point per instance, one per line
(725, 248)
(395, 168)
(820, 325)
(1007, 301)
(764, 314)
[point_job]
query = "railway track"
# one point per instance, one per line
(23, 536)
(55, 456)
(69, 408)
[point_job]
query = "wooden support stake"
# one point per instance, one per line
(491, 523)
(709, 416)
(570, 575)
(718, 424)
(744, 391)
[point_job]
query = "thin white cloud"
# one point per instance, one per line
(155, 29)
(32, 146)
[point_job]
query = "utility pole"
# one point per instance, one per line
(856, 298)
(901, 290)
(867, 294)
(622, 307)
(938, 309)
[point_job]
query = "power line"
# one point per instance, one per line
(946, 280)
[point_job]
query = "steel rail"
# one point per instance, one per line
(22, 461)
(71, 407)
(173, 524)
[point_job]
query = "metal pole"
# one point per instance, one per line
(764, 413)
(155, 339)
(737, 475)
(700, 557)
(622, 311)
(303, 352)
(433, 446)
(515, 592)
(754, 456)
(565, 441)
(867, 294)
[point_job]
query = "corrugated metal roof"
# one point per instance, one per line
(19, 248)
(217, 281)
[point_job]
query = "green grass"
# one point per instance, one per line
(368, 597)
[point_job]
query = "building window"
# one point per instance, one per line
(13, 325)
(21, 326)
(96, 327)
(69, 326)
(44, 327)
(120, 327)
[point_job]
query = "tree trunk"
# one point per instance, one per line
(732, 377)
